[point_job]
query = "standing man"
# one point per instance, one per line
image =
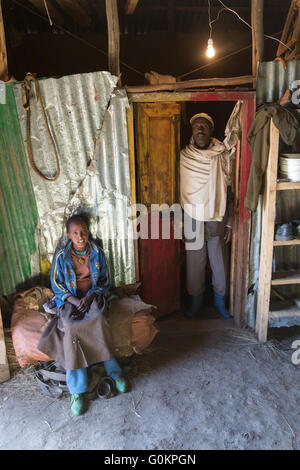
(204, 181)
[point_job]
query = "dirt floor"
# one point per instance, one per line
(201, 385)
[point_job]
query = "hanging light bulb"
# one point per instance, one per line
(210, 51)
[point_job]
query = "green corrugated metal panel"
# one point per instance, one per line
(18, 211)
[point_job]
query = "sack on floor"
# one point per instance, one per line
(131, 320)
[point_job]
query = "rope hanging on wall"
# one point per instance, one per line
(26, 86)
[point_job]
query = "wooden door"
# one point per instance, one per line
(158, 147)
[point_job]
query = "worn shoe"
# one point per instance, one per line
(196, 302)
(220, 305)
(296, 229)
(121, 385)
(284, 232)
(77, 404)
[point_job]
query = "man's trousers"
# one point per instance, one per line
(215, 250)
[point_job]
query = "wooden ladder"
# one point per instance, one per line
(267, 279)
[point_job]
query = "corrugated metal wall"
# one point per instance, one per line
(18, 211)
(273, 79)
(89, 127)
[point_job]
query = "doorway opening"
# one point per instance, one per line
(220, 111)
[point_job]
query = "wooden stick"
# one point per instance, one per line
(113, 37)
(200, 82)
(4, 76)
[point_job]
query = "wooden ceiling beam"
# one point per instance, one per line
(74, 9)
(55, 15)
(214, 9)
(130, 6)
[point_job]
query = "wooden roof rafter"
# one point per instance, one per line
(77, 9)
(130, 6)
(291, 34)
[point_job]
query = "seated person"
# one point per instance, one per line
(80, 334)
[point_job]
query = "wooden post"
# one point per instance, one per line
(113, 37)
(4, 76)
(259, 38)
(257, 21)
(4, 369)
(267, 238)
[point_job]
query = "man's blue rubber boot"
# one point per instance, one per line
(220, 305)
(196, 302)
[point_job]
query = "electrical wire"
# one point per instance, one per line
(76, 37)
(209, 20)
(220, 59)
(249, 26)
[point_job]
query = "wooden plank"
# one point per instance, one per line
(113, 37)
(200, 82)
(131, 150)
(4, 368)
(267, 238)
(286, 242)
(131, 6)
(285, 277)
(285, 186)
(4, 75)
(291, 312)
(221, 95)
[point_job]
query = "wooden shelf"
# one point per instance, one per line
(286, 313)
(286, 242)
(285, 185)
(285, 277)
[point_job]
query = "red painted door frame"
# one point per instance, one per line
(241, 216)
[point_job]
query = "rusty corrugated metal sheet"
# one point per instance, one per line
(89, 127)
(18, 211)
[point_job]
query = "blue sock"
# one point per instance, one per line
(113, 369)
(77, 380)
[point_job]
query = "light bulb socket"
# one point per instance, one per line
(210, 42)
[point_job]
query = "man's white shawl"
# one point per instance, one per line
(205, 174)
